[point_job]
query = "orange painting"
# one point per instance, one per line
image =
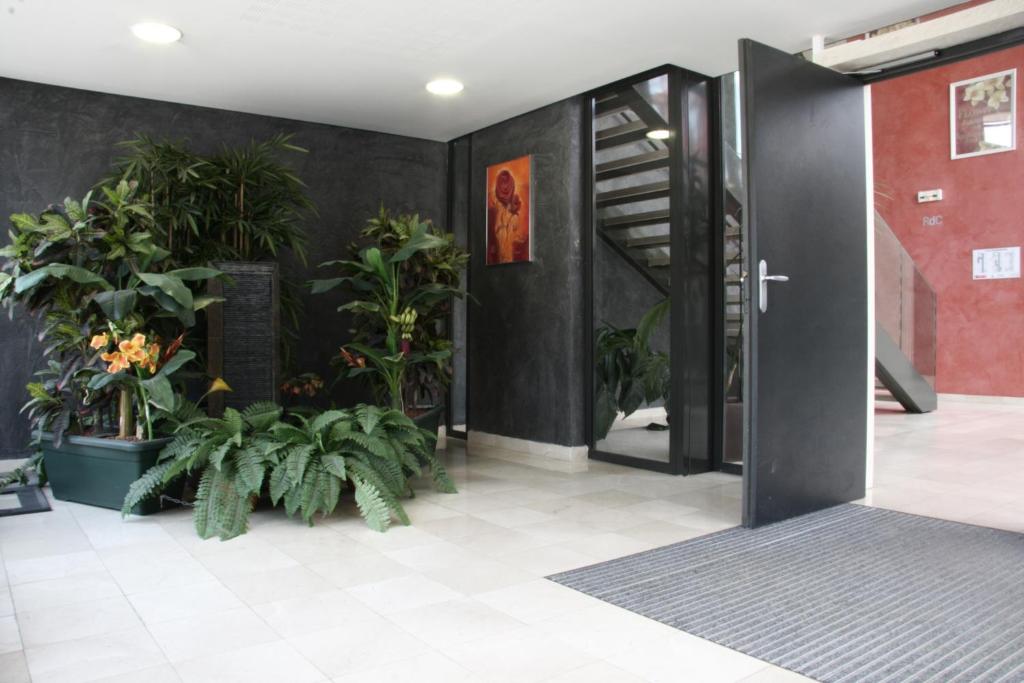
(509, 215)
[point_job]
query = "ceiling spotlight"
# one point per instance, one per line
(445, 87)
(155, 32)
(659, 134)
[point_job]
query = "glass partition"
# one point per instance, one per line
(631, 271)
(733, 268)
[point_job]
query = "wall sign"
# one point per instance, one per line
(997, 264)
(982, 115)
(931, 221)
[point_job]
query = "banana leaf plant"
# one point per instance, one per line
(628, 373)
(90, 268)
(374, 278)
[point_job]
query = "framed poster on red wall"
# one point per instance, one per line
(983, 115)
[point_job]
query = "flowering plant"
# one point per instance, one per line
(141, 369)
(91, 273)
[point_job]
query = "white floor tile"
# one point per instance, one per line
(360, 570)
(310, 613)
(541, 599)
(13, 668)
(65, 591)
(455, 621)
(427, 668)
(77, 620)
(358, 646)
(10, 636)
(179, 603)
(95, 657)
(521, 656)
(53, 567)
(406, 592)
(279, 584)
(268, 663)
(207, 634)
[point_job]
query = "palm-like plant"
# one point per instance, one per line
(375, 279)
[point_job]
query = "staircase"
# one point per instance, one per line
(904, 325)
(631, 173)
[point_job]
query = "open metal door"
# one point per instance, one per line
(804, 132)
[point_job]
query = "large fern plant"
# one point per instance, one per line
(304, 463)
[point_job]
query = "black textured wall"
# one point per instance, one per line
(56, 142)
(526, 330)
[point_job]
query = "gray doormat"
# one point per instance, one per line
(22, 500)
(849, 594)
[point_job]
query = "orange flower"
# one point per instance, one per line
(134, 349)
(117, 360)
(100, 341)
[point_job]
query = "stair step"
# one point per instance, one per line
(609, 105)
(633, 194)
(659, 261)
(652, 241)
(635, 164)
(635, 219)
(634, 131)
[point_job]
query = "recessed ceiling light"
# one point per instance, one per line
(155, 32)
(659, 134)
(444, 86)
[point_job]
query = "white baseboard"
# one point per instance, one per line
(534, 453)
(970, 398)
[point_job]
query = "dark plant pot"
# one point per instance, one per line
(430, 420)
(98, 471)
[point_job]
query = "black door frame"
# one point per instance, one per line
(693, 316)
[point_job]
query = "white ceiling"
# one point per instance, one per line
(363, 63)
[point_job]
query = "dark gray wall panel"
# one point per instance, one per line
(57, 141)
(527, 350)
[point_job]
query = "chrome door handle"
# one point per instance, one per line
(763, 279)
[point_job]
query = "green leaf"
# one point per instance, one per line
(101, 380)
(196, 273)
(372, 506)
(334, 464)
(205, 300)
(160, 392)
(118, 304)
(176, 361)
(321, 286)
(279, 483)
(420, 240)
(59, 271)
(171, 286)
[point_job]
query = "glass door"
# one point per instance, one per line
(650, 271)
(632, 256)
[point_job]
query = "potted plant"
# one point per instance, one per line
(114, 318)
(304, 463)
(402, 287)
(238, 209)
(628, 372)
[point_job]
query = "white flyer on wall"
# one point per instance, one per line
(997, 264)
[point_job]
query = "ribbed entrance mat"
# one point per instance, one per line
(850, 594)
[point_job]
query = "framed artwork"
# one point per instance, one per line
(510, 212)
(983, 115)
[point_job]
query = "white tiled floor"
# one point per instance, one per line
(459, 596)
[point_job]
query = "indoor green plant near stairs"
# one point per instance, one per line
(402, 284)
(113, 320)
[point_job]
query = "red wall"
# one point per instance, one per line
(980, 323)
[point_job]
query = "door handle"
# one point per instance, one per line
(763, 279)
